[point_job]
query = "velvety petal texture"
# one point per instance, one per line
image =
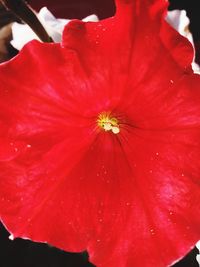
(100, 140)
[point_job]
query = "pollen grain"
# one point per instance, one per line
(108, 123)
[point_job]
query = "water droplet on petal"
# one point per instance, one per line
(11, 150)
(152, 231)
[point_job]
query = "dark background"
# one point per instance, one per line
(24, 253)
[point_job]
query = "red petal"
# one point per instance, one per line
(131, 199)
(10, 150)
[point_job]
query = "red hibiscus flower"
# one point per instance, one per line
(100, 140)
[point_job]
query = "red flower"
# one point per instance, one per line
(100, 140)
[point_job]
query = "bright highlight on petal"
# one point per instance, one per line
(108, 123)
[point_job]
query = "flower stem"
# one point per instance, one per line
(23, 11)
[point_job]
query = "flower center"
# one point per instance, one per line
(108, 123)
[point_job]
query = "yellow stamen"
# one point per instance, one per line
(108, 123)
